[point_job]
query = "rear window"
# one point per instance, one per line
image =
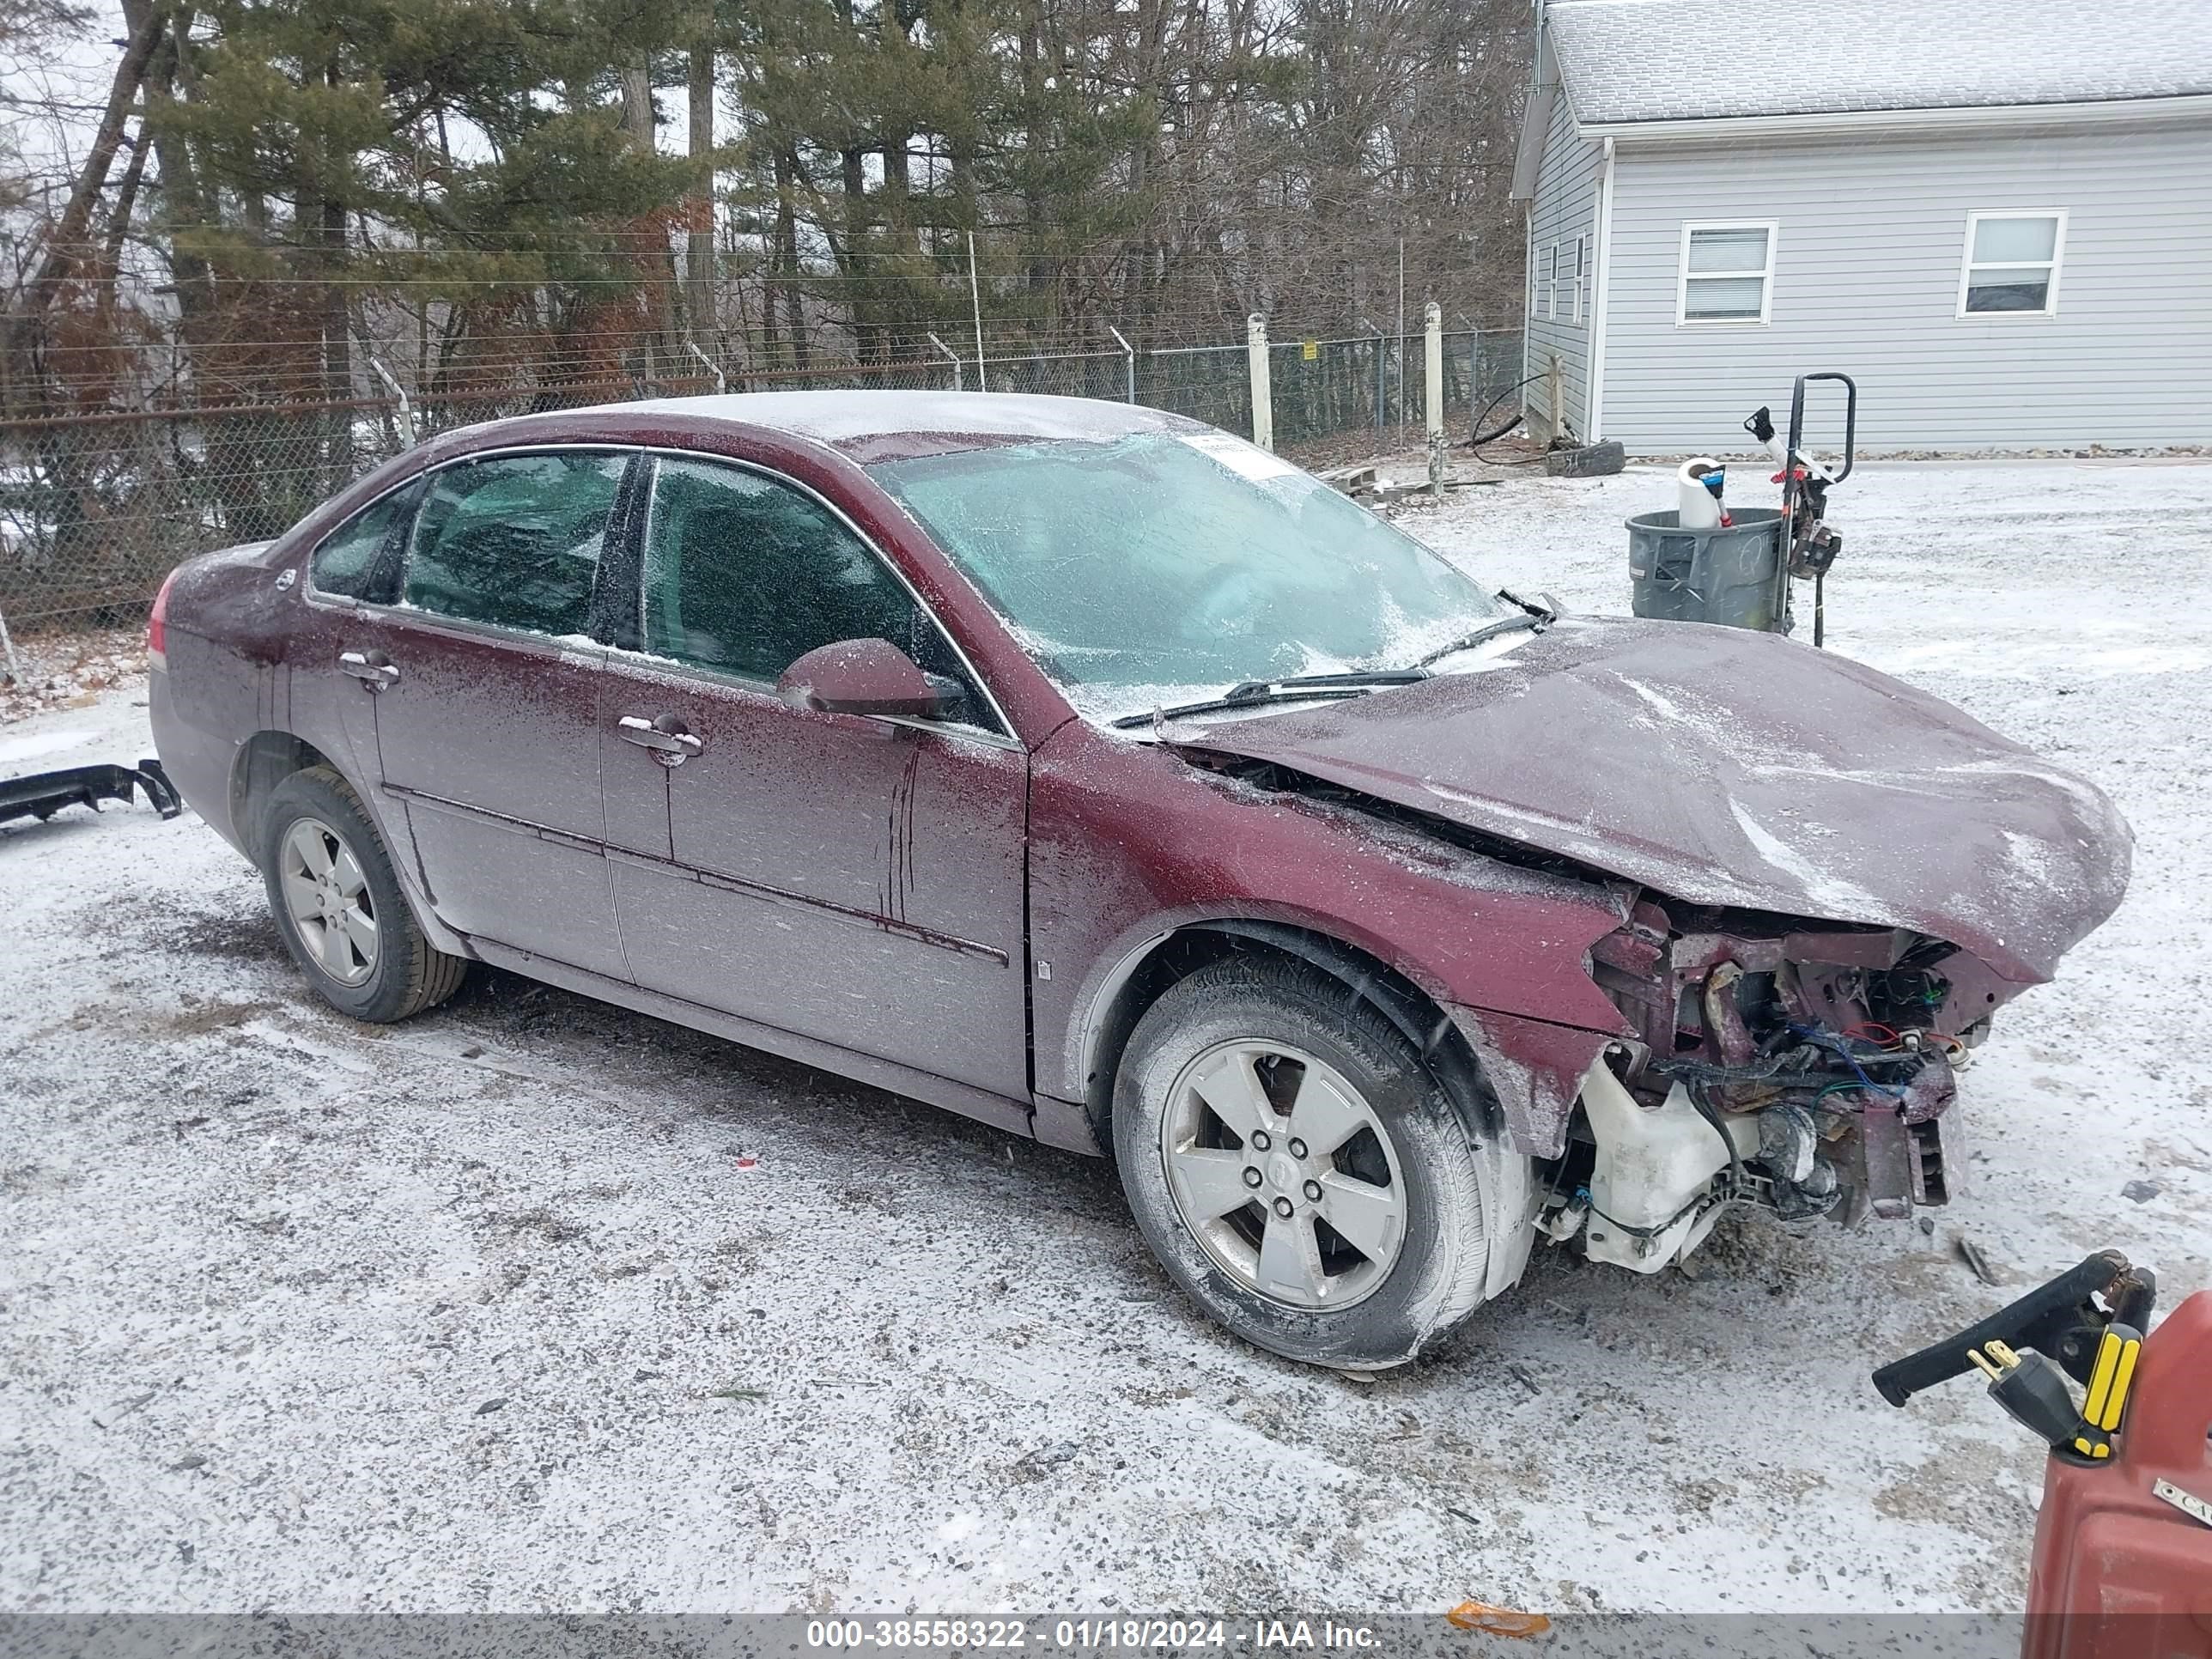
(515, 541)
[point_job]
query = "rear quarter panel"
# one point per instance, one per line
(220, 683)
(249, 652)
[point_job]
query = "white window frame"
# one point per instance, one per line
(1967, 265)
(1581, 272)
(1551, 281)
(1683, 279)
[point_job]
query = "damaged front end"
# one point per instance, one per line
(1826, 882)
(1801, 1068)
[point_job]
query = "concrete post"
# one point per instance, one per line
(1263, 407)
(1432, 323)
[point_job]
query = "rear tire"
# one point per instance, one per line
(1366, 1236)
(338, 905)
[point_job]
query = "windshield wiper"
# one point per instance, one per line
(1543, 606)
(1536, 617)
(1298, 688)
(1355, 679)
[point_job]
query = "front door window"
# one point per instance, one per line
(745, 575)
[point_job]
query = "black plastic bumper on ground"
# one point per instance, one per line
(44, 793)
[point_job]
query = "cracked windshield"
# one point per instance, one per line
(1169, 567)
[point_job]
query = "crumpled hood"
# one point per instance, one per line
(1724, 767)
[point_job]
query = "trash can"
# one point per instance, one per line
(1735, 577)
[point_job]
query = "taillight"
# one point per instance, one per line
(157, 625)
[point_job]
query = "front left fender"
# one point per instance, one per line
(1129, 843)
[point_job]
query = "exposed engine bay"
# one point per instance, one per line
(1814, 929)
(1799, 1069)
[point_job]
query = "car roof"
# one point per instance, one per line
(879, 425)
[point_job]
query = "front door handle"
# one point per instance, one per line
(373, 669)
(671, 742)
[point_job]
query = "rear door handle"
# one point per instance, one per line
(374, 670)
(671, 742)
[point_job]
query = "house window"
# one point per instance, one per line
(1551, 281)
(1727, 273)
(1581, 272)
(2012, 263)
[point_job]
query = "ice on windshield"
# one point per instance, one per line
(1168, 567)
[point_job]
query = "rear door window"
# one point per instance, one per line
(515, 540)
(745, 574)
(358, 559)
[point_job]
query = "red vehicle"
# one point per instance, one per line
(1089, 771)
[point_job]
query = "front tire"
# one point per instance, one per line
(1299, 1170)
(337, 903)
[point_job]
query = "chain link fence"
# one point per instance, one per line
(1332, 389)
(96, 509)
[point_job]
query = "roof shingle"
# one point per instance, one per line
(1674, 60)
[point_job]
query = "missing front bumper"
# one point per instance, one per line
(1660, 1175)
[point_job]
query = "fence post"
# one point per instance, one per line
(722, 383)
(406, 412)
(1432, 367)
(975, 304)
(1381, 372)
(1128, 360)
(1263, 407)
(950, 352)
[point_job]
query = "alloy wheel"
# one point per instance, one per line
(1284, 1174)
(329, 901)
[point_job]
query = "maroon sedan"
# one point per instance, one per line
(1087, 770)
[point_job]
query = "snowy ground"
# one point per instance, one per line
(487, 1312)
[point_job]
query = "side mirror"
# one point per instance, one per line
(864, 677)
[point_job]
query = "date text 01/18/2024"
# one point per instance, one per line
(1165, 1635)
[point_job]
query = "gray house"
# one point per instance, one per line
(1996, 217)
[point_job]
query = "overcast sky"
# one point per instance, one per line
(72, 74)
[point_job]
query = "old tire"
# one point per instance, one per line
(338, 906)
(1366, 1233)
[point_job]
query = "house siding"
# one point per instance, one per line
(1867, 264)
(1564, 206)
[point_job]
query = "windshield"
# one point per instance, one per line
(1171, 566)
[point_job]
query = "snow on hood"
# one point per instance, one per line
(1724, 767)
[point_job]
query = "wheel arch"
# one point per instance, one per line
(270, 756)
(264, 761)
(1140, 978)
